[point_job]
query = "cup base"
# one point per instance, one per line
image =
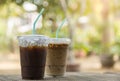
(55, 75)
(32, 78)
(32, 73)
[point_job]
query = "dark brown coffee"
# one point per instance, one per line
(32, 62)
(56, 59)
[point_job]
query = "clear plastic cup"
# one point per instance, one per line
(33, 50)
(56, 56)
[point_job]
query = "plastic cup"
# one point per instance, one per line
(33, 50)
(56, 56)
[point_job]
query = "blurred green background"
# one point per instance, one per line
(92, 25)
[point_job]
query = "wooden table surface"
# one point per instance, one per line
(70, 77)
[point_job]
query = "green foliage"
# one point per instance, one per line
(54, 13)
(95, 43)
(115, 48)
(82, 46)
(47, 31)
(2, 27)
(3, 40)
(10, 9)
(2, 2)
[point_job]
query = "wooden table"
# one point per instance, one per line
(70, 77)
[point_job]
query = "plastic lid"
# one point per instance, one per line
(33, 40)
(60, 41)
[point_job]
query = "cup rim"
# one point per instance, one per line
(60, 40)
(32, 36)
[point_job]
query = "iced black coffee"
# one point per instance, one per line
(56, 57)
(33, 50)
